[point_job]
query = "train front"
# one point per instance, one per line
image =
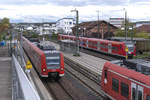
(54, 61)
(131, 50)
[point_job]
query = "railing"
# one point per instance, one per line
(22, 88)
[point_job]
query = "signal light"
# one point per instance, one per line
(62, 69)
(44, 70)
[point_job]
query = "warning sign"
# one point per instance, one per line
(28, 65)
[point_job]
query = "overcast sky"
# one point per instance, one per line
(52, 10)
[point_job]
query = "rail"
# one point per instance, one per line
(22, 83)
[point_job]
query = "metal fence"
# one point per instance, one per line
(22, 88)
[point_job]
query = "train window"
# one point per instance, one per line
(120, 46)
(105, 74)
(140, 95)
(103, 45)
(124, 90)
(133, 93)
(115, 48)
(115, 84)
(147, 97)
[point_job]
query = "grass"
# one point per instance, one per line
(145, 54)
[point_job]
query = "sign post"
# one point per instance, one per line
(126, 49)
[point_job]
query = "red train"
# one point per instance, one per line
(105, 46)
(47, 61)
(126, 80)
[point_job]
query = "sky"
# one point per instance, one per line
(52, 10)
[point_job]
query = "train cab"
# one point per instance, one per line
(54, 60)
(131, 49)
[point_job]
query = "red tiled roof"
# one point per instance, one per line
(145, 28)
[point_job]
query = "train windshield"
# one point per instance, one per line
(130, 47)
(52, 60)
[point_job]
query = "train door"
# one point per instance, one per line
(87, 44)
(109, 48)
(136, 92)
(98, 45)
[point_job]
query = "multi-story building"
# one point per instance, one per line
(118, 22)
(64, 25)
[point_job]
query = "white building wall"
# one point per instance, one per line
(66, 24)
(118, 22)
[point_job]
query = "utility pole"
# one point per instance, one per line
(98, 24)
(77, 30)
(125, 25)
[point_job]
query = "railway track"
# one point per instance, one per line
(89, 79)
(88, 73)
(99, 54)
(57, 90)
(71, 87)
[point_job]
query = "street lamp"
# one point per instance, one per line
(77, 30)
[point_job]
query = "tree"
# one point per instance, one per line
(4, 26)
(142, 35)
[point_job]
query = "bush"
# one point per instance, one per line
(142, 35)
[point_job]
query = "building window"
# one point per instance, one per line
(147, 97)
(124, 90)
(70, 23)
(115, 85)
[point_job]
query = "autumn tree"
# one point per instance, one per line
(4, 26)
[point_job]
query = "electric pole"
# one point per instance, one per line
(98, 24)
(77, 30)
(125, 25)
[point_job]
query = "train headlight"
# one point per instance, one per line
(62, 69)
(44, 70)
(105, 81)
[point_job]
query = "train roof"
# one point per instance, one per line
(46, 45)
(135, 69)
(96, 39)
(34, 46)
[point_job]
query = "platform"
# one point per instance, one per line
(93, 63)
(5, 75)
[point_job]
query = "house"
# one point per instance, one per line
(140, 23)
(95, 29)
(65, 25)
(144, 28)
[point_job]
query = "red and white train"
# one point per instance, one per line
(126, 80)
(105, 46)
(47, 61)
